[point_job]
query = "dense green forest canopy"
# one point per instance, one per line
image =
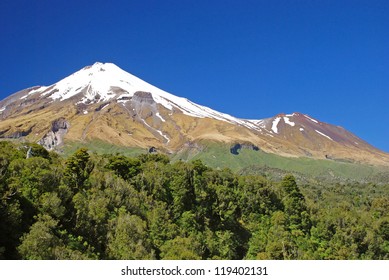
(91, 206)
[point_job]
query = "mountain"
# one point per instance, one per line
(104, 103)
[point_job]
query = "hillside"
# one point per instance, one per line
(104, 104)
(108, 110)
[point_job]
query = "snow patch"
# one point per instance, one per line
(250, 124)
(163, 135)
(287, 121)
(124, 95)
(105, 106)
(39, 89)
(260, 123)
(85, 112)
(123, 101)
(301, 129)
(275, 124)
(321, 133)
(159, 116)
(315, 121)
(2, 109)
(160, 132)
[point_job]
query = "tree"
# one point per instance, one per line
(12, 221)
(36, 150)
(11, 226)
(181, 248)
(78, 168)
(40, 242)
(296, 214)
(32, 177)
(128, 238)
(51, 204)
(256, 196)
(160, 225)
(182, 189)
(92, 214)
(45, 241)
(222, 244)
(124, 167)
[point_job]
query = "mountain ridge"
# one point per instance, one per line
(106, 103)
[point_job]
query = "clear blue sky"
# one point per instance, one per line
(251, 59)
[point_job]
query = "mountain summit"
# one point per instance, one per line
(103, 102)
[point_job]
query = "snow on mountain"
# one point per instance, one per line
(275, 124)
(101, 82)
(311, 119)
(322, 134)
(39, 89)
(287, 121)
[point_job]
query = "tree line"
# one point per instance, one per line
(91, 206)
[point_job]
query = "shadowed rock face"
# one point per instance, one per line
(143, 104)
(54, 137)
(237, 147)
(20, 134)
(59, 124)
(17, 134)
(2, 132)
(143, 97)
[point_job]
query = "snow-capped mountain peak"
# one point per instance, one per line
(96, 80)
(102, 82)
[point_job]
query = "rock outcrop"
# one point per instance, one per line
(55, 136)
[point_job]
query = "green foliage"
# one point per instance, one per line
(32, 177)
(181, 248)
(257, 196)
(160, 225)
(295, 208)
(51, 204)
(128, 238)
(35, 150)
(41, 241)
(154, 158)
(223, 245)
(124, 167)
(78, 168)
(45, 241)
(146, 207)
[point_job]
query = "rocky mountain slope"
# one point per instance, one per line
(103, 102)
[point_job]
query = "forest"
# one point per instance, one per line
(91, 206)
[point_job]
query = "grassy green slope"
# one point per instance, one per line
(101, 147)
(219, 156)
(248, 161)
